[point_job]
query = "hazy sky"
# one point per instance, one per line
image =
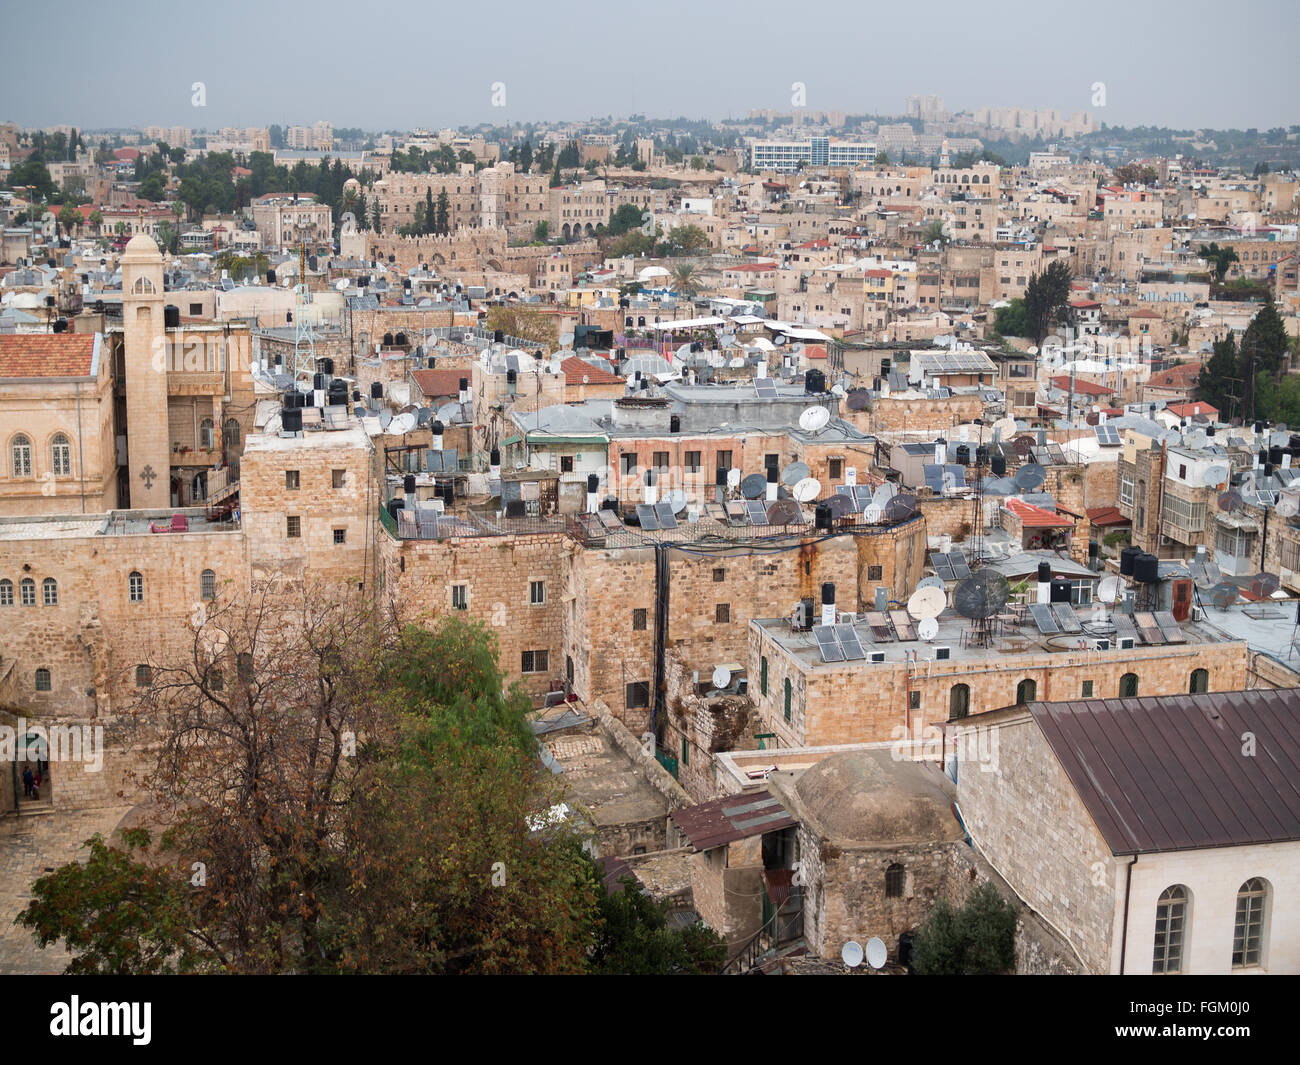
(382, 65)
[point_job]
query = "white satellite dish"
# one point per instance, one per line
(1004, 428)
(1287, 507)
(814, 419)
(254, 366)
(401, 425)
(721, 677)
(733, 478)
(807, 490)
(877, 953)
(341, 283)
(566, 339)
(838, 390)
(304, 387)
(927, 603)
(927, 629)
(1108, 590)
(852, 954)
(873, 514)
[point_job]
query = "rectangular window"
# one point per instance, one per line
(723, 461)
(914, 700)
(719, 574)
(639, 619)
(628, 462)
(536, 593)
(460, 597)
(686, 751)
(291, 480)
(660, 460)
(1087, 689)
(293, 526)
(789, 692)
(535, 661)
(637, 695)
(1125, 490)
(722, 613)
(837, 469)
(338, 478)
(875, 573)
(566, 463)
(693, 459)
(340, 536)
(762, 676)
(135, 586)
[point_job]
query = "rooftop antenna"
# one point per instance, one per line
(304, 343)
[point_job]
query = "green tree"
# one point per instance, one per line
(1010, 321)
(634, 938)
(1266, 340)
(69, 218)
(686, 240)
(154, 187)
(628, 216)
(570, 157)
(686, 279)
(443, 224)
(1219, 258)
(1220, 377)
(96, 219)
(1046, 299)
(882, 158)
(933, 233)
(428, 221)
(526, 157)
(541, 231)
(978, 939)
(34, 173)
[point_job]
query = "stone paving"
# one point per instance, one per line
(28, 846)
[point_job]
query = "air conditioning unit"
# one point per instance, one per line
(1126, 643)
(846, 618)
(876, 656)
(1101, 645)
(942, 654)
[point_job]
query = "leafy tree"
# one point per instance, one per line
(32, 172)
(978, 939)
(69, 218)
(933, 233)
(1136, 174)
(443, 222)
(634, 938)
(1220, 377)
(686, 279)
(168, 237)
(526, 157)
(570, 157)
(628, 216)
(429, 216)
(527, 323)
(1010, 321)
(1219, 258)
(96, 219)
(1266, 340)
(686, 240)
(544, 161)
(1046, 299)
(882, 158)
(541, 231)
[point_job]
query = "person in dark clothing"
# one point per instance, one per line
(27, 783)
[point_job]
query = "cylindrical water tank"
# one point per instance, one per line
(999, 465)
(1146, 569)
(291, 420)
(1060, 589)
(1127, 558)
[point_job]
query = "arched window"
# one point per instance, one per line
(895, 881)
(143, 677)
(6, 592)
(20, 454)
(1171, 929)
(1128, 686)
(42, 680)
(61, 456)
(1200, 681)
(208, 584)
(958, 701)
(205, 434)
(27, 591)
(135, 587)
(1248, 932)
(50, 591)
(143, 286)
(1026, 691)
(232, 432)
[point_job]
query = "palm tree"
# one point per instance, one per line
(686, 279)
(934, 232)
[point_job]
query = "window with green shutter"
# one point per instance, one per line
(762, 677)
(787, 698)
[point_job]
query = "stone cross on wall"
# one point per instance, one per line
(148, 476)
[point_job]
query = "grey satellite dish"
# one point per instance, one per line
(402, 424)
(901, 507)
(1263, 585)
(677, 499)
(981, 595)
(721, 677)
(778, 340)
(733, 478)
(1196, 440)
(754, 486)
(1224, 594)
(841, 506)
(808, 489)
(566, 340)
(927, 629)
(1287, 507)
(683, 351)
(927, 602)
(728, 341)
(1231, 500)
(1108, 590)
(837, 390)
(1004, 428)
(852, 954)
(784, 512)
(341, 283)
(1215, 476)
(929, 582)
(794, 473)
(1029, 476)
(877, 955)
(814, 419)
(883, 494)
(254, 366)
(858, 399)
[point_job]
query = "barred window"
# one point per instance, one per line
(61, 456)
(50, 591)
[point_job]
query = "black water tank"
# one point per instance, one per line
(438, 428)
(318, 381)
(516, 509)
(1060, 591)
(464, 384)
(720, 477)
(828, 594)
(61, 325)
(326, 367)
(356, 395)
(593, 483)
(270, 277)
(338, 386)
(1275, 456)
(394, 505)
(999, 465)
(1094, 549)
(494, 458)
(1044, 572)
(432, 362)
(1268, 469)
(408, 484)
(962, 454)
(815, 382)
(609, 503)
(511, 377)
(1127, 558)
(823, 515)
(376, 390)
(499, 336)
(338, 399)
(981, 456)
(291, 420)
(171, 316)
(1146, 569)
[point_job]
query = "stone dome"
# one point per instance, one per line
(870, 797)
(141, 246)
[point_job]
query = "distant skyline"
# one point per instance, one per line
(433, 65)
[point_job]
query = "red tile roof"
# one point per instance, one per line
(46, 354)
(1183, 376)
(749, 267)
(1187, 410)
(439, 383)
(1106, 516)
(1032, 517)
(575, 369)
(1081, 388)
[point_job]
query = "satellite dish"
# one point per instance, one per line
(341, 283)
(1030, 476)
(1279, 438)
(566, 340)
(721, 677)
(733, 478)
(784, 512)
(900, 507)
(927, 602)
(981, 595)
(877, 954)
(1287, 507)
(808, 489)
(852, 954)
(254, 366)
(927, 629)
(754, 486)
(883, 494)
(1108, 590)
(858, 399)
(873, 514)
(1263, 585)
(402, 424)
(1004, 428)
(794, 473)
(683, 351)
(677, 499)
(841, 506)
(304, 387)
(1224, 594)
(1231, 500)
(838, 390)
(814, 419)
(1215, 476)
(929, 582)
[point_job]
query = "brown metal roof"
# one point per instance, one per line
(720, 821)
(1169, 773)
